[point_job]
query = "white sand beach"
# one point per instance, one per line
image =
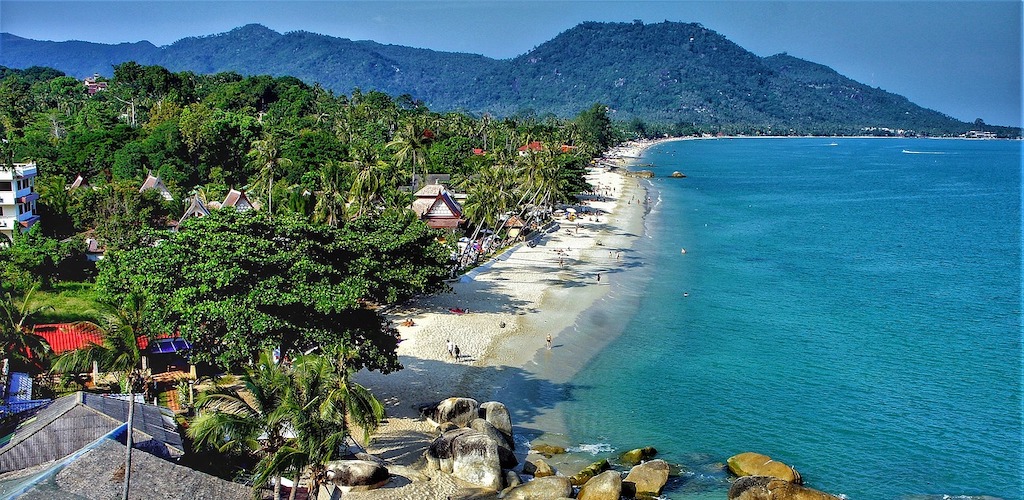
(511, 304)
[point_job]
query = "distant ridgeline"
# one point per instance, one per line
(679, 74)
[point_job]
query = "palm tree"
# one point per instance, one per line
(265, 156)
(20, 343)
(118, 352)
(410, 145)
(252, 418)
(330, 200)
(320, 404)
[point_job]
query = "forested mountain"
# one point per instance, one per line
(674, 73)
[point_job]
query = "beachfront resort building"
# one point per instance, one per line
(438, 207)
(17, 200)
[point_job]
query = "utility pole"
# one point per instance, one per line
(128, 446)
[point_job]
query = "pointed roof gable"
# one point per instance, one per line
(154, 182)
(238, 200)
(78, 182)
(195, 209)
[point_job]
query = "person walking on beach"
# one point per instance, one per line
(549, 341)
(451, 348)
(457, 355)
(598, 277)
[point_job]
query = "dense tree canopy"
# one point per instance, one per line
(236, 284)
(336, 170)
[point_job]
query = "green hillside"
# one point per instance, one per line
(671, 73)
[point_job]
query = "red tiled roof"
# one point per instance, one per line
(64, 337)
(533, 146)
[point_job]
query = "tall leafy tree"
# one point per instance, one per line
(236, 284)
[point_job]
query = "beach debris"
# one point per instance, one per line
(758, 487)
(647, 478)
(756, 464)
(537, 468)
(357, 475)
(604, 486)
(633, 457)
(542, 487)
(581, 477)
(548, 450)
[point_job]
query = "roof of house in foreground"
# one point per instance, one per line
(99, 473)
(67, 424)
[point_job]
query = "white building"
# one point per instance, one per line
(17, 200)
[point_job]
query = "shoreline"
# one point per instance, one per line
(512, 303)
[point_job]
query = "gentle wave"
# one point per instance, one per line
(593, 449)
(909, 152)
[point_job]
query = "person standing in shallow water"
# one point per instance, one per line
(549, 341)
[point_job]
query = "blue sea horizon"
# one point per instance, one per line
(850, 307)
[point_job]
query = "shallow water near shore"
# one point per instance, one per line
(843, 305)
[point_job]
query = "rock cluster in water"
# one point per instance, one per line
(475, 444)
(761, 478)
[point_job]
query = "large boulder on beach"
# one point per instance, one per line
(439, 454)
(498, 415)
(543, 488)
(756, 464)
(357, 475)
(647, 478)
(773, 488)
(581, 477)
(604, 486)
(468, 455)
(459, 411)
(508, 458)
(633, 457)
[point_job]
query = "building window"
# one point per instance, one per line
(5, 185)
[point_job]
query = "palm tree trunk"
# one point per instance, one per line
(295, 485)
(277, 487)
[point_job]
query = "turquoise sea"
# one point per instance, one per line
(850, 307)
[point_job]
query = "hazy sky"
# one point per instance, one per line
(962, 58)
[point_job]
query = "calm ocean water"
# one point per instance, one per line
(848, 306)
